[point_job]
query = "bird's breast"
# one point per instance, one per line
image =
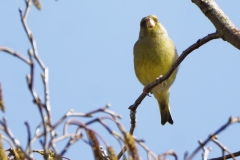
(153, 58)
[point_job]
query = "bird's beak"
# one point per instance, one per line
(150, 22)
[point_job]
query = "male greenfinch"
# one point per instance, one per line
(154, 54)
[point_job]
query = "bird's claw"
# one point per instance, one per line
(161, 84)
(145, 90)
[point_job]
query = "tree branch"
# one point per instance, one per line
(225, 28)
(229, 122)
(14, 53)
(227, 156)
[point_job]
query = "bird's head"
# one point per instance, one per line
(150, 26)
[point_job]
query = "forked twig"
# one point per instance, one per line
(229, 122)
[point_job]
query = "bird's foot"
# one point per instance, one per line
(145, 90)
(161, 84)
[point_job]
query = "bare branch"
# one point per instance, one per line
(149, 152)
(163, 156)
(29, 148)
(206, 150)
(33, 54)
(227, 156)
(14, 53)
(225, 28)
(229, 122)
(29, 33)
(70, 142)
(16, 143)
(224, 149)
(8, 141)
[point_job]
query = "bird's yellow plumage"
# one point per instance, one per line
(154, 54)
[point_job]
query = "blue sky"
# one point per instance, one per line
(88, 48)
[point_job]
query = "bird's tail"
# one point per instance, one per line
(165, 112)
(164, 107)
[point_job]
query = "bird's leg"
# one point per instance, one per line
(145, 90)
(161, 84)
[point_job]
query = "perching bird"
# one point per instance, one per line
(154, 54)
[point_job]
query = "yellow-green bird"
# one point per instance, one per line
(154, 54)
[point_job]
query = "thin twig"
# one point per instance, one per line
(29, 148)
(133, 125)
(29, 33)
(206, 150)
(235, 154)
(45, 79)
(164, 155)
(34, 54)
(229, 122)
(70, 113)
(224, 149)
(16, 54)
(149, 152)
(11, 136)
(8, 141)
(70, 142)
